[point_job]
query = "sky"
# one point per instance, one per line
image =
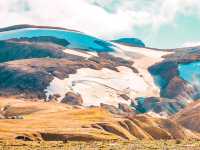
(158, 23)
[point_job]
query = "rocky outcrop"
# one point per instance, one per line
(125, 108)
(30, 77)
(111, 128)
(159, 106)
(184, 55)
(23, 138)
(178, 88)
(111, 62)
(122, 109)
(42, 39)
(163, 72)
(72, 99)
(70, 137)
(111, 109)
(41, 47)
(172, 86)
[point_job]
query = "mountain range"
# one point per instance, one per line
(62, 84)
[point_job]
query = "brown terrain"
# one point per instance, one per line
(52, 121)
(189, 117)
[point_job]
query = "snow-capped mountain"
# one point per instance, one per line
(148, 89)
(49, 62)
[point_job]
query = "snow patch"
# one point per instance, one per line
(142, 51)
(57, 86)
(143, 58)
(100, 86)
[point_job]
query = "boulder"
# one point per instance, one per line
(72, 99)
(125, 108)
(110, 108)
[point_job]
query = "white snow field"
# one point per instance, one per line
(105, 85)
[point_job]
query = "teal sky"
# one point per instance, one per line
(185, 29)
(181, 21)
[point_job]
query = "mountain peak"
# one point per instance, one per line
(130, 41)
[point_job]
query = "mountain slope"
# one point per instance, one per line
(138, 90)
(189, 117)
(54, 121)
(94, 58)
(112, 68)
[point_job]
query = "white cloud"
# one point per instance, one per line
(76, 14)
(93, 18)
(191, 44)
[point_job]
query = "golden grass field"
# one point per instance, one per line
(57, 126)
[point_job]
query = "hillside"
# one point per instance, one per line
(53, 122)
(63, 84)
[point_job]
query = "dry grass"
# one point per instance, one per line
(40, 117)
(112, 145)
(52, 121)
